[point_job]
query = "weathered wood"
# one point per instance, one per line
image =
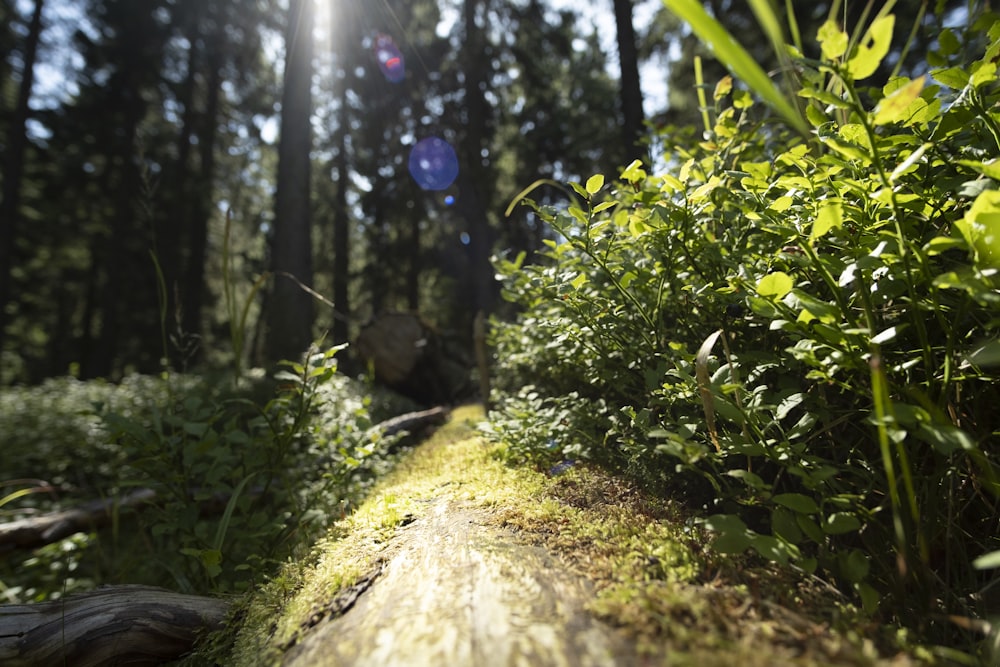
(120, 625)
(41, 530)
(410, 421)
(453, 590)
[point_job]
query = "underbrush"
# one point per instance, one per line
(796, 329)
(242, 477)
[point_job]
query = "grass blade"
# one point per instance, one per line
(736, 59)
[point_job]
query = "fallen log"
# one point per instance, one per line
(409, 422)
(133, 625)
(41, 530)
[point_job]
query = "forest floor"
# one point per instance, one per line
(458, 559)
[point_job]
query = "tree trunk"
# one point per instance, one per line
(120, 625)
(631, 92)
(13, 166)
(291, 310)
(472, 175)
(194, 274)
(342, 15)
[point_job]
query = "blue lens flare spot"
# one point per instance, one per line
(433, 164)
(464, 238)
(389, 58)
(449, 200)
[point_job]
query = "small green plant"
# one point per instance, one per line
(797, 329)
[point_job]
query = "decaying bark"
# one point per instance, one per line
(121, 625)
(409, 356)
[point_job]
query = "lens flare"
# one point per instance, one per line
(390, 59)
(433, 164)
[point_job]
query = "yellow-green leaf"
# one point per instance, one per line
(595, 183)
(981, 227)
(723, 88)
(775, 285)
(830, 215)
(896, 107)
(832, 40)
(873, 48)
(579, 281)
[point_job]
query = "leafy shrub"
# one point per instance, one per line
(241, 477)
(800, 328)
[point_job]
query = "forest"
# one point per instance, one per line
(742, 256)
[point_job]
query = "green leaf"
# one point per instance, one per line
(797, 502)
(854, 565)
(832, 39)
(829, 216)
(736, 58)
(594, 184)
(732, 537)
(945, 438)
(839, 523)
(873, 48)
(579, 281)
(981, 227)
(897, 106)
(987, 561)
(775, 285)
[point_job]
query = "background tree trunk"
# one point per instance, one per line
(13, 166)
(291, 310)
(631, 92)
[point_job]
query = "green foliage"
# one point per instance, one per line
(800, 333)
(241, 479)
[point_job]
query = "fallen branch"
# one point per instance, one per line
(134, 625)
(41, 530)
(410, 421)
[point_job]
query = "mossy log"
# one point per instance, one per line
(453, 590)
(117, 625)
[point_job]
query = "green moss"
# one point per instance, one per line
(651, 573)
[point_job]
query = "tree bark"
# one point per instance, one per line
(291, 309)
(631, 92)
(471, 177)
(194, 274)
(13, 166)
(410, 357)
(133, 625)
(342, 14)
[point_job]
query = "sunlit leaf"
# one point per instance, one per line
(829, 216)
(896, 107)
(832, 39)
(873, 48)
(594, 184)
(775, 285)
